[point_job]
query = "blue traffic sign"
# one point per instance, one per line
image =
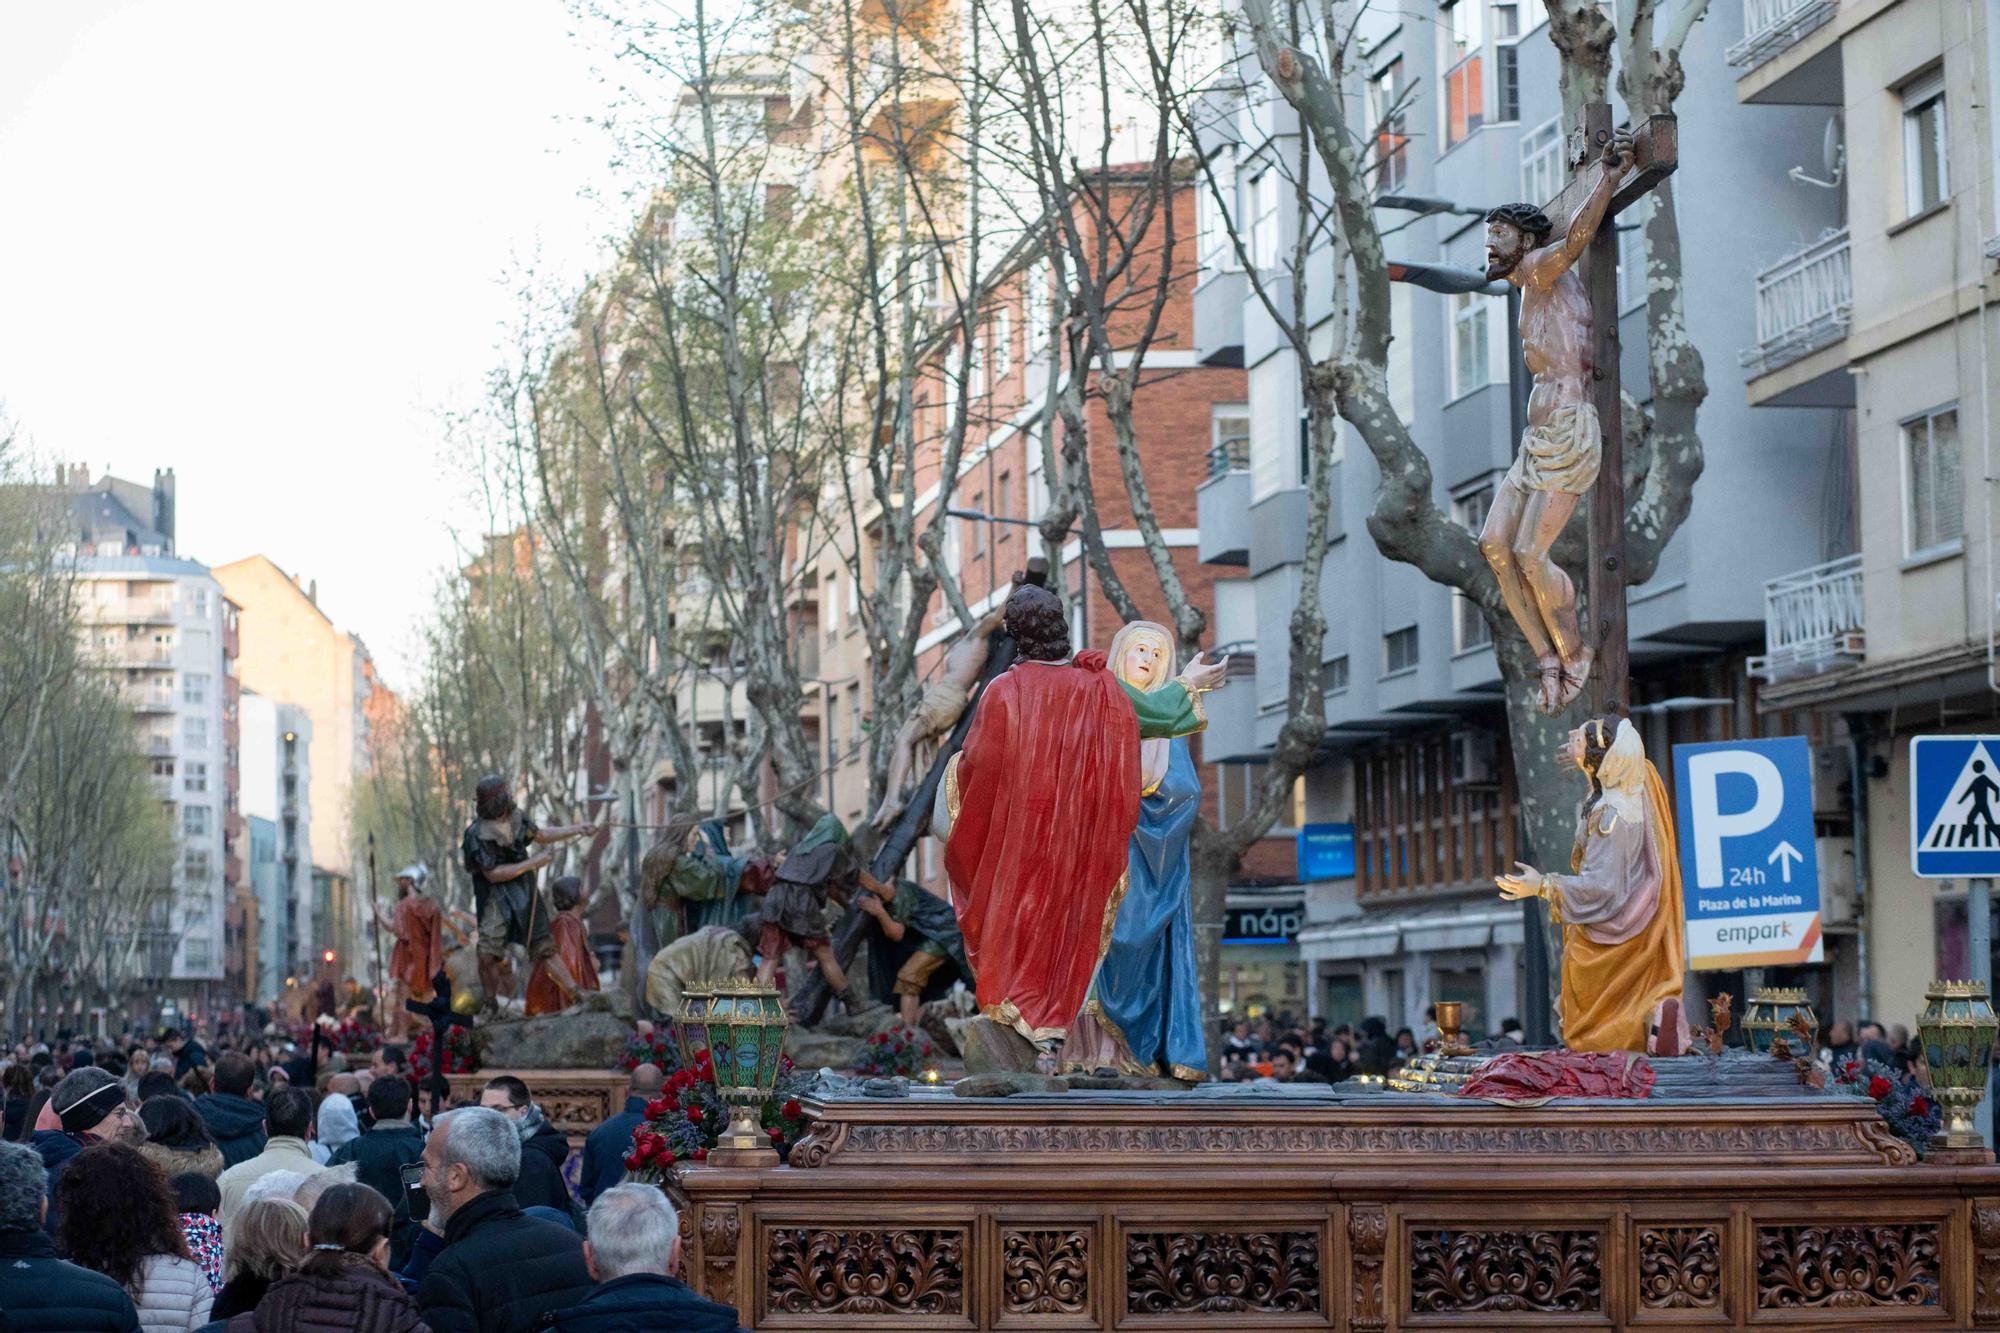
(1955, 806)
(1749, 866)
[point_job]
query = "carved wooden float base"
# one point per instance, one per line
(1313, 1209)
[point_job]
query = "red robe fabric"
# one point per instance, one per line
(573, 945)
(419, 951)
(1046, 797)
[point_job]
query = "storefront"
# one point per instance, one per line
(1395, 962)
(1262, 972)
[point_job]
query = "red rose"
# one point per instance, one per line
(666, 1156)
(1921, 1106)
(777, 1135)
(694, 1115)
(1878, 1087)
(701, 1154)
(791, 1110)
(633, 1161)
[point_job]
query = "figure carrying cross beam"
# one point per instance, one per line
(1561, 447)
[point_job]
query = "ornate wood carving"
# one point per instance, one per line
(1552, 1271)
(819, 1144)
(1045, 1271)
(720, 1228)
(1178, 1140)
(1680, 1268)
(1367, 1234)
(824, 1270)
(1847, 1266)
(1885, 1145)
(1986, 1261)
(1214, 1272)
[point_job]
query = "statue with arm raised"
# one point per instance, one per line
(944, 699)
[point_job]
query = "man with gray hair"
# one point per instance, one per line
(38, 1290)
(500, 1271)
(633, 1250)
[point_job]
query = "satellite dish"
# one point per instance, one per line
(1832, 154)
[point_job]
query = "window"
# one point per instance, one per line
(975, 371)
(1399, 650)
(1937, 502)
(1388, 121)
(1542, 163)
(1003, 343)
(1506, 64)
(1265, 233)
(194, 730)
(1470, 363)
(197, 951)
(1925, 184)
(194, 820)
(195, 866)
(199, 599)
(195, 777)
(1003, 504)
(831, 604)
(1336, 675)
(1469, 627)
(978, 528)
(1632, 254)
(1218, 247)
(1035, 295)
(194, 687)
(1464, 87)
(1038, 482)
(1229, 438)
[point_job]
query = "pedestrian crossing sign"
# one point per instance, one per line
(1955, 806)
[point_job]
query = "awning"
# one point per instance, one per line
(1427, 929)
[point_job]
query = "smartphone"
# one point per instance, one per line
(412, 1175)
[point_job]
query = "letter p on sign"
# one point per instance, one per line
(1711, 824)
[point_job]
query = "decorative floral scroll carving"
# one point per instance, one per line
(1680, 1268)
(1454, 1272)
(820, 1270)
(1216, 1272)
(1045, 1272)
(1847, 1267)
(720, 1230)
(820, 1143)
(1367, 1234)
(1986, 1261)
(1882, 1141)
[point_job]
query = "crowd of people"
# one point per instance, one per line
(145, 1188)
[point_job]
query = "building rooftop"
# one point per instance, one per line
(153, 565)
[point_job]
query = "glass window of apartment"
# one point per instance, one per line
(1399, 650)
(1229, 438)
(978, 528)
(198, 598)
(1336, 674)
(1036, 309)
(1003, 343)
(1542, 162)
(831, 603)
(1464, 81)
(1937, 504)
(1471, 366)
(1388, 121)
(194, 687)
(1218, 247)
(197, 949)
(1264, 229)
(194, 730)
(1924, 181)
(195, 777)
(1506, 61)
(1469, 627)
(1632, 254)
(194, 820)
(1003, 502)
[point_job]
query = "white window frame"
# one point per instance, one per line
(194, 731)
(1917, 96)
(1266, 230)
(1469, 311)
(1218, 247)
(1499, 40)
(1542, 162)
(1632, 253)
(1417, 657)
(1003, 343)
(1907, 440)
(1384, 91)
(1220, 412)
(1454, 55)
(1038, 319)
(1469, 509)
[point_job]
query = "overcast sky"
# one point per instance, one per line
(264, 244)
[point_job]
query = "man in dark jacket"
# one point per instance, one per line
(380, 1154)
(88, 1107)
(499, 1272)
(37, 1290)
(235, 1122)
(543, 1148)
(189, 1054)
(604, 1151)
(635, 1241)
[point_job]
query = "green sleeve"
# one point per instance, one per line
(1171, 710)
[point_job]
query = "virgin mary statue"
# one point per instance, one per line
(1143, 1015)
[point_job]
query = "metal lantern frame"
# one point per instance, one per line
(742, 1026)
(690, 1038)
(1768, 1016)
(1957, 1029)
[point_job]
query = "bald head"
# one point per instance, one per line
(647, 1080)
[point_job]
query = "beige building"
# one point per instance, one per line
(1893, 313)
(292, 653)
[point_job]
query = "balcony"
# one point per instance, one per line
(144, 656)
(149, 701)
(1771, 27)
(1222, 506)
(1814, 621)
(1218, 318)
(1805, 303)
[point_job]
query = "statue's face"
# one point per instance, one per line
(1145, 657)
(1505, 246)
(1572, 751)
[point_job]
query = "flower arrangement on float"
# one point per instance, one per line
(899, 1052)
(650, 1045)
(1910, 1112)
(684, 1122)
(460, 1055)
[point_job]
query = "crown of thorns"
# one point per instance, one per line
(1525, 216)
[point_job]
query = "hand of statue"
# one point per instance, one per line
(1200, 675)
(1620, 154)
(1526, 882)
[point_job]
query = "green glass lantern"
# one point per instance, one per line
(1957, 1028)
(744, 1031)
(690, 1038)
(1768, 1017)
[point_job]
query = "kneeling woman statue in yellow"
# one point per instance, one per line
(1624, 930)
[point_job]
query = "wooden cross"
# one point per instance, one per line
(1655, 154)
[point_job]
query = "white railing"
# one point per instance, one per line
(1813, 620)
(1804, 303)
(1770, 26)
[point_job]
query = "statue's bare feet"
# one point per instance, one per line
(1550, 691)
(1574, 677)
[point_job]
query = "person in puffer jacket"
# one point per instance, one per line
(118, 1219)
(37, 1290)
(344, 1284)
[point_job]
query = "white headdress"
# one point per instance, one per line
(1621, 772)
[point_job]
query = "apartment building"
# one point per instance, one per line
(277, 805)
(164, 627)
(1884, 315)
(1416, 770)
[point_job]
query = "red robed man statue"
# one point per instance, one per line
(1038, 810)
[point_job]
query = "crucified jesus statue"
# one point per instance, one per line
(1560, 449)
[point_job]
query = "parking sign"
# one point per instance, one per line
(1749, 867)
(1955, 806)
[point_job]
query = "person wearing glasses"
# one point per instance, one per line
(87, 1107)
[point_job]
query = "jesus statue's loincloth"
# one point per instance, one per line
(1561, 454)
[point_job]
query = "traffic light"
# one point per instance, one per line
(326, 957)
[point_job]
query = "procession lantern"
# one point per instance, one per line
(690, 1038)
(1769, 1014)
(1957, 1028)
(744, 1031)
